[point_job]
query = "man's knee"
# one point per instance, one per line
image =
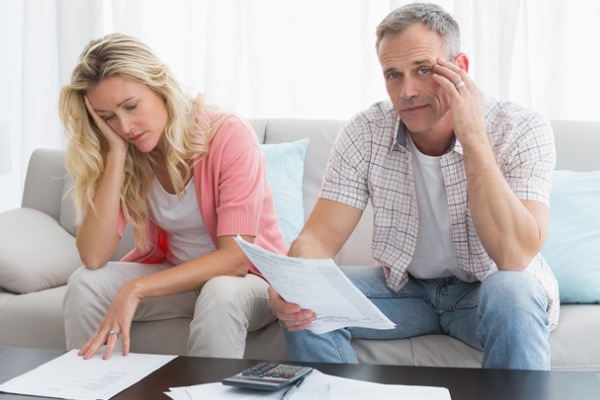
(510, 292)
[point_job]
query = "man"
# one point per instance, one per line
(460, 188)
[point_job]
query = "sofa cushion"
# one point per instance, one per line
(572, 247)
(285, 170)
(36, 253)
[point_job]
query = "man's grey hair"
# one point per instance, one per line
(432, 15)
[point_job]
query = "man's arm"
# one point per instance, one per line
(511, 230)
(329, 226)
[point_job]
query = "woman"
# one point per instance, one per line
(189, 178)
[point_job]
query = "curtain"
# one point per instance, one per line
(285, 58)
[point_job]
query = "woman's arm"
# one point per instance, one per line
(97, 237)
(228, 259)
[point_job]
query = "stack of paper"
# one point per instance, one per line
(316, 386)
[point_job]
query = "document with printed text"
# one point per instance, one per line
(316, 386)
(71, 377)
(318, 285)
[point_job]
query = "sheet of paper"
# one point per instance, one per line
(316, 386)
(71, 377)
(318, 285)
(345, 388)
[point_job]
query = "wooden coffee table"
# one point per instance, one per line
(464, 384)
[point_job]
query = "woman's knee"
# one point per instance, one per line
(86, 285)
(78, 282)
(227, 294)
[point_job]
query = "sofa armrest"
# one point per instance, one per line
(44, 181)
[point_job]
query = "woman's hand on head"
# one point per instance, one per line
(115, 141)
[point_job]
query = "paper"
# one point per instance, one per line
(318, 285)
(316, 386)
(71, 377)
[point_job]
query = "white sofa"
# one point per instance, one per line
(37, 249)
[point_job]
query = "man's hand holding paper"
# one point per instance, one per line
(320, 286)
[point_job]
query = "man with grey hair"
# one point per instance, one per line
(460, 187)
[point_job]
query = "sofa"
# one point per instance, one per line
(37, 254)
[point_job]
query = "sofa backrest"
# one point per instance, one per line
(577, 145)
(45, 189)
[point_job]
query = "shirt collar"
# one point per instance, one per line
(401, 138)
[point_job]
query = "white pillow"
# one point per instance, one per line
(36, 253)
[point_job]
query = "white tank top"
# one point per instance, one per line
(434, 256)
(182, 221)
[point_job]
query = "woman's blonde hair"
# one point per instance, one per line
(189, 129)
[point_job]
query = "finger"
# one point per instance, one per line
(111, 342)
(450, 72)
(286, 311)
(105, 129)
(296, 328)
(84, 349)
(449, 89)
(125, 341)
(299, 324)
(302, 314)
(458, 72)
(95, 343)
(90, 110)
(279, 305)
(88, 345)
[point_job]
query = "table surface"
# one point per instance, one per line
(464, 384)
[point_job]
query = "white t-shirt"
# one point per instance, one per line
(182, 221)
(434, 256)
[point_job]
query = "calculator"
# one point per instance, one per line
(268, 375)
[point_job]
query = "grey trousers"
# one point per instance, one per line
(222, 312)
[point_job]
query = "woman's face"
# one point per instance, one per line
(133, 111)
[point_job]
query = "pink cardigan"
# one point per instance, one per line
(233, 194)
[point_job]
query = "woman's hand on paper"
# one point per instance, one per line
(291, 315)
(115, 326)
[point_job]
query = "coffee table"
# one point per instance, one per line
(464, 384)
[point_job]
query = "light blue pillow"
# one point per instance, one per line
(285, 170)
(573, 245)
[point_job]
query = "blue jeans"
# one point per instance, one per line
(505, 317)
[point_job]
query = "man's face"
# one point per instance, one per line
(407, 59)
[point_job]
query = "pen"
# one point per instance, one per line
(290, 392)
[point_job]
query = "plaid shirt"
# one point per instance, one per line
(370, 161)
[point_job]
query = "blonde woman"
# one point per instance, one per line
(189, 178)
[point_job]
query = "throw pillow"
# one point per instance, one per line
(573, 245)
(36, 253)
(285, 170)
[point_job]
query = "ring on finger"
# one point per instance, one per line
(114, 332)
(459, 85)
